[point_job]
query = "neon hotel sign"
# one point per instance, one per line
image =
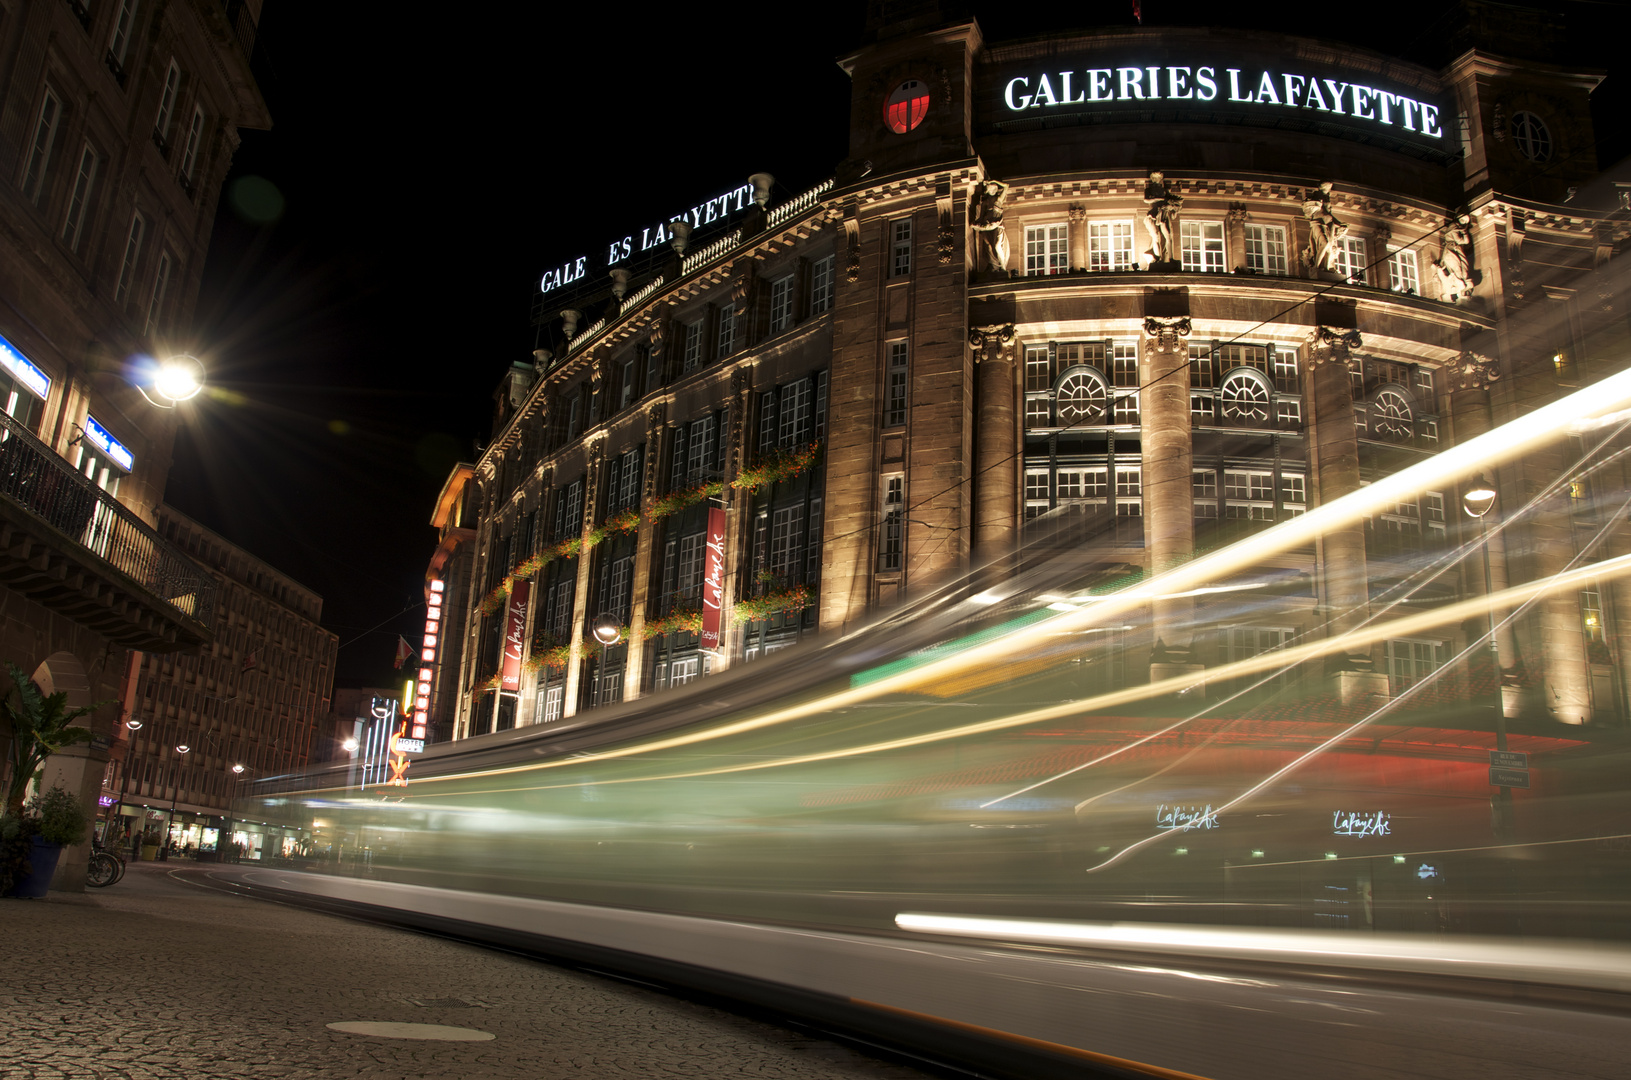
(1226, 85)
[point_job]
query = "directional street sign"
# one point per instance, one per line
(1502, 777)
(1509, 759)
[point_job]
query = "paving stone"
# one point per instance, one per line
(156, 979)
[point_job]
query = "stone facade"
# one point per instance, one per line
(1339, 301)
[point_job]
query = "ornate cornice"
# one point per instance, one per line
(1166, 334)
(1472, 371)
(994, 341)
(1332, 343)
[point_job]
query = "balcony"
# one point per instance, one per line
(68, 545)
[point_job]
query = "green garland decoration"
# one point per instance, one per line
(787, 601)
(777, 466)
(685, 621)
(668, 505)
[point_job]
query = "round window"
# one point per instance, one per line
(907, 106)
(1081, 397)
(1531, 137)
(1245, 400)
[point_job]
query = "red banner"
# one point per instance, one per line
(515, 630)
(713, 578)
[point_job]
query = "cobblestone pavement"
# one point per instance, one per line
(154, 979)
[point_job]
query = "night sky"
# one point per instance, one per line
(430, 169)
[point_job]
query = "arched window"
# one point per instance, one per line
(1391, 416)
(1081, 397)
(1530, 136)
(1245, 398)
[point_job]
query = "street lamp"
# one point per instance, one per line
(175, 796)
(606, 630)
(178, 379)
(1477, 501)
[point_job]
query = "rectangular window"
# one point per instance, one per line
(565, 594)
(161, 281)
(1350, 261)
(1288, 412)
(554, 697)
(727, 330)
(892, 540)
(1129, 492)
(1204, 485)
(123, 24)
(1248, 495)
(133, 254)
(688, 583)
(1293, 493)
(1124, 364)
(900, 248)
(1202, 372)
(683, 670)
(572, 511)
(1245, 642)
(195, 136)
(79, 200)
(653, 363)
(1047, 249)
(1266, 249)
(1038, 369)
(618, 591)
(894, 386)
(628, 480)
(167, 103)
(1285, 371)
(1401, 272)
(1125, 410)
(39, 150)
(767, 421)
(1110, 245)
(1409, 662)
(821, 282)
(781, 304)
(574, 414)
(786, 544)
(700, 445)
(629, 383)
(794, 414)
(693, 347)
(1202, 409)
(812, 543)
(820, 405)
(1200, 244)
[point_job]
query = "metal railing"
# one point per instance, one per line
(37, 479)
(243, 25)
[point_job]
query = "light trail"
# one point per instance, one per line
(1502, 444)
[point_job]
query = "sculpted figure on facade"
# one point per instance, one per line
(1161, 221)
(1453, 266)
(985, 218)
(1324, 230)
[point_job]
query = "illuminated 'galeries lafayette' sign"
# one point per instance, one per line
(1239, 86)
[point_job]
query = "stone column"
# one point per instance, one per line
(1344, 573)
(1169, 500)
(1078, 236)
(580, 599)
(1234, 229)
(640, 591)
(996, 483)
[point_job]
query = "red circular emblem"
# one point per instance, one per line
(907, 106)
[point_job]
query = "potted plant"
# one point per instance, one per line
(32, 841)
(41, 725)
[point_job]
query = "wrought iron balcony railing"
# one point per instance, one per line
(40, 481)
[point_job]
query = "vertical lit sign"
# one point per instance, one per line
(427, 656)
(515, 630)
(713, 578)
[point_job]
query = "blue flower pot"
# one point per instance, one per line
(42, 863)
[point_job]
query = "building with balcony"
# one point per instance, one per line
(119, 122)
(1191, 283)
(250, 704)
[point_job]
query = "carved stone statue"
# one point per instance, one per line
(1161, 222)
(985, 218)
(1453, 266)
(1324, 230)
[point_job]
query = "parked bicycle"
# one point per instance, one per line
(106, 867)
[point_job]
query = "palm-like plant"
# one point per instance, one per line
(41, 725)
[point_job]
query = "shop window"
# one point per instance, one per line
(1047, 249)
(1266, 249)
(1200, 246)
(900, 248)
(1411, 661)
(821, 285)
(20, 403)
(39, 148)
(1110, 245)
